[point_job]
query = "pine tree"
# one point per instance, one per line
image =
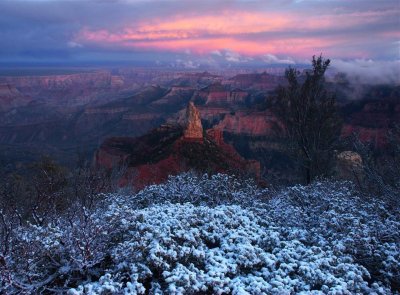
(310, 118)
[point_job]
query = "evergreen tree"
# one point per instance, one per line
(310, 118)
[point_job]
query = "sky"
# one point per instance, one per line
(196, 33)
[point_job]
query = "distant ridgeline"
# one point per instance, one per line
(171, 149)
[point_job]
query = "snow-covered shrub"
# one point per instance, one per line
(334, 214)
(184, 249)
(211, 235)
(201, 190)
(58, 254)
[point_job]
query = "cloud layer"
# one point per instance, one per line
(369, 71)
(195, 32)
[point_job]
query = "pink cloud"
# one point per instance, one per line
(247, 33)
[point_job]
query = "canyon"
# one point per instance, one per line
(71, 115)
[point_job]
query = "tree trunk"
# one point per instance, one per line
(308, 175)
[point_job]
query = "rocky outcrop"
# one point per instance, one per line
(349, 165)
(217, 135)
(219, 95)
(172, 149)
(193, 127)
(249, 123)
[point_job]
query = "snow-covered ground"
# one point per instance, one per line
(213, 235)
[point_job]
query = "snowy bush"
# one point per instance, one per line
(210, 235)
(201, 190)
(58, 254)
(183, 249)
(333, 214)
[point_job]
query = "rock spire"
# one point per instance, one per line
(193, 128)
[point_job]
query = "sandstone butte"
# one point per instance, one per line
(172, 149)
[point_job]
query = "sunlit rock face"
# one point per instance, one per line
(193, 128)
